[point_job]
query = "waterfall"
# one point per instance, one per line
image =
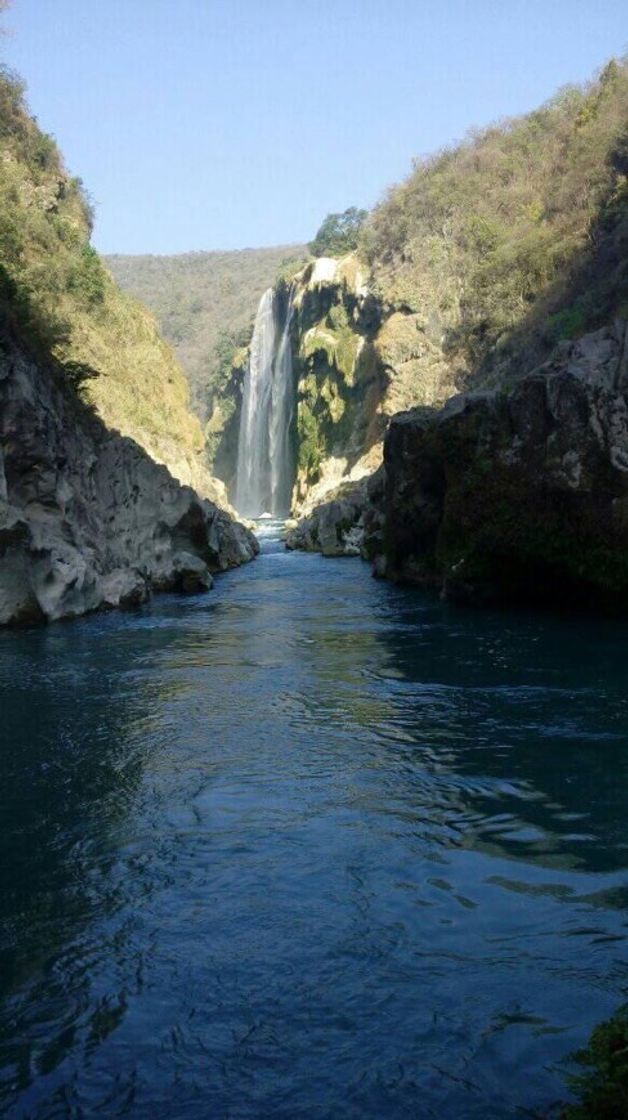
(281, 419)
(265, 469)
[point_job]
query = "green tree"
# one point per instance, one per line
(339, 233)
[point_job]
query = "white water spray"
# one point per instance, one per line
(265, 469)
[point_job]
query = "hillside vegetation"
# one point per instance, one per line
(516, 238)
(338, 234)
(476, 266)
(205, 304)
(468, 273)
(56, 294)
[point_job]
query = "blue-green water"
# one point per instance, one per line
(310, 847)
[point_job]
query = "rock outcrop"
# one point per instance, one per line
(348, 523)
(523, 495)
(55, 286)
(87, 519)
(358, 362)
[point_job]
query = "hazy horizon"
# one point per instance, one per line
(211, 252)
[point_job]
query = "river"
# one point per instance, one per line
(310, 847)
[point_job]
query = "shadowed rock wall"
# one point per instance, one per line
(87, 518)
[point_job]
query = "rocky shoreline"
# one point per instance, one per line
(515, 496)
(347, 523)
(88, 520)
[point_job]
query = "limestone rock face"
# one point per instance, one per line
(357, 360)
(349, 523)
(87, 519)
(520, 495)
(340, 380)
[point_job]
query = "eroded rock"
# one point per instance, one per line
(348, 524)
(87, 519)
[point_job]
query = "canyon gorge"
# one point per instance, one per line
(319, 844)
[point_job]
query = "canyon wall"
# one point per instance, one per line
(87, 519)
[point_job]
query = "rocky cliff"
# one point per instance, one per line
(517, 495)
(56, 291)
(520, 495)
(87, 519)
(356, 363)
(142, 392)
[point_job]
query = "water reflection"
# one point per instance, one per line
(311, 846)
(82, 713)
(529, 716)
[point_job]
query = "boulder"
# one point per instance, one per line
(192, 573)
(347, 524)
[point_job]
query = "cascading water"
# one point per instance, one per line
(281, 418)
(265, 469)
(251, 496)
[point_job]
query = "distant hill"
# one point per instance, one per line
(204, 302)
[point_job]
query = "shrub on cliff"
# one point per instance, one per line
(339, 233)
(56, 294)
(45, 223)
(518, 236)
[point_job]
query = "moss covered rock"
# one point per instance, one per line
(339, 375)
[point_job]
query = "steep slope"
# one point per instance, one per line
(467, 275)
(87, 518)
(205, 303)
(497, 248)
(56, 289)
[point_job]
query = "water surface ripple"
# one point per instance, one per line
(310, 847)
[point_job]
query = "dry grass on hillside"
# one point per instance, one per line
(205, 304)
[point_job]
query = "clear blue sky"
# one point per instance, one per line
(220, 124)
